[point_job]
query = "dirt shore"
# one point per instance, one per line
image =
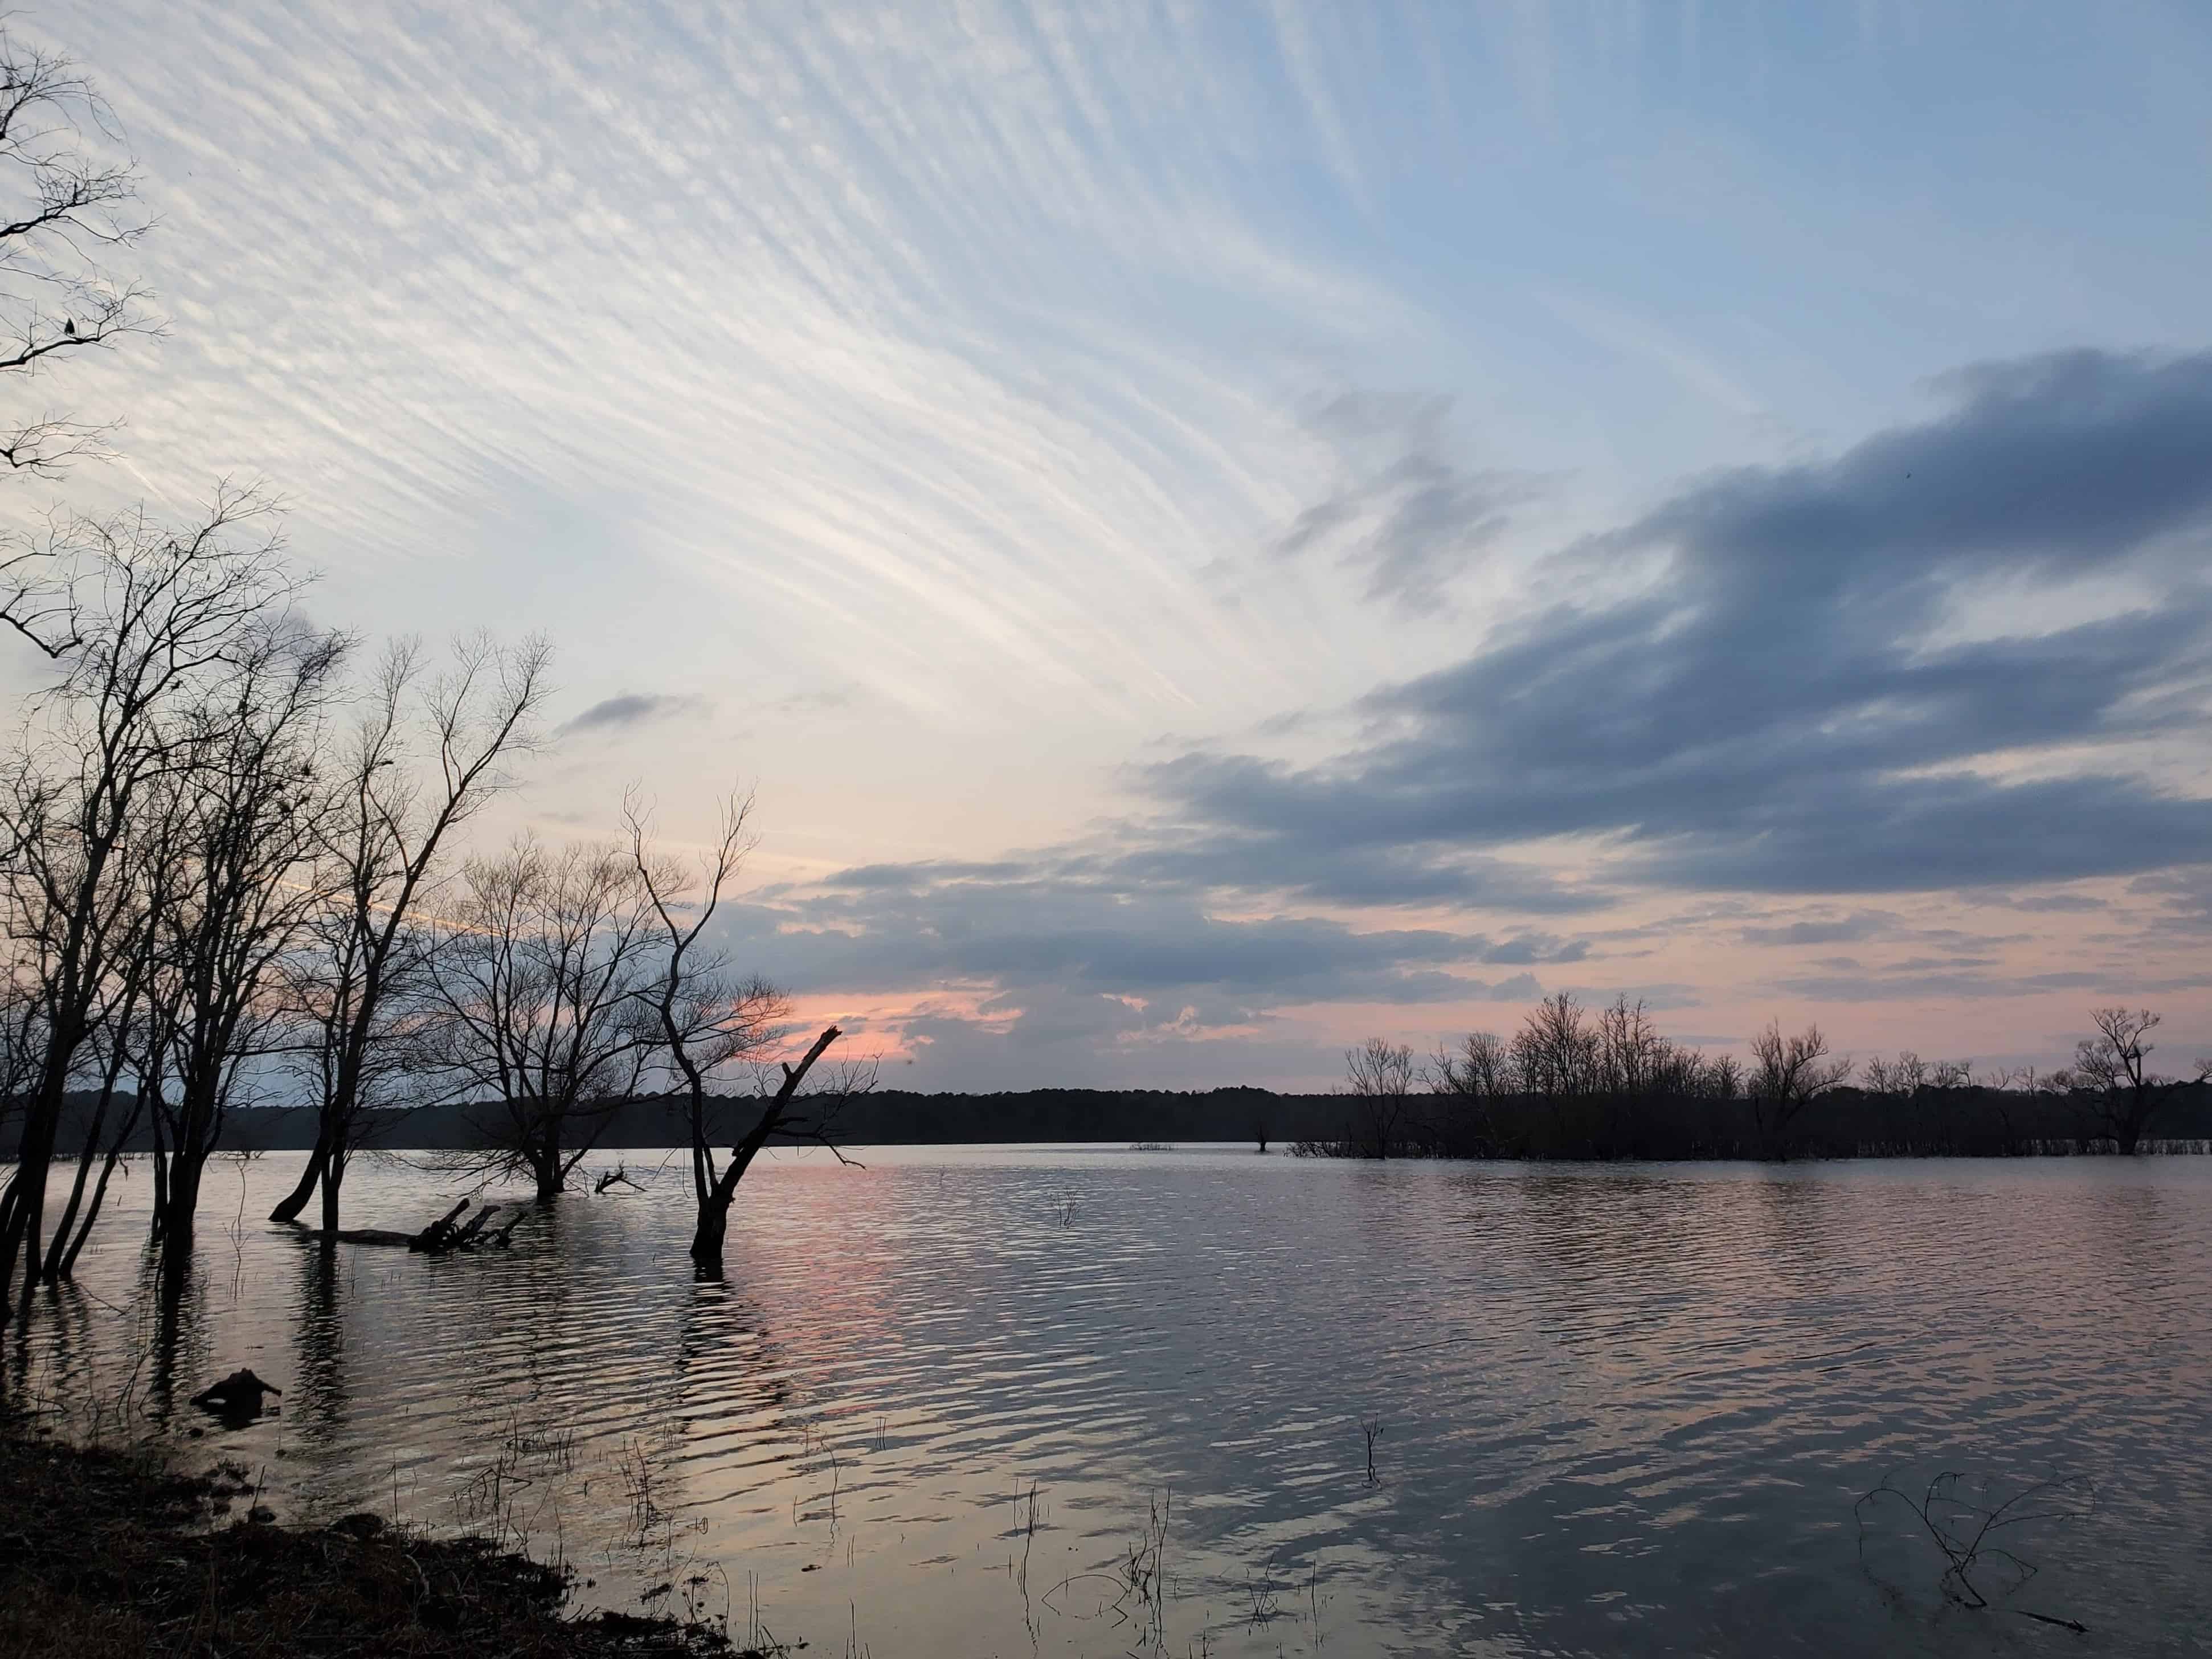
(107, 1554)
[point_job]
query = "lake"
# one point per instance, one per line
(1087, 1401)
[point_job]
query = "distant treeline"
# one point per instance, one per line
(1932, 1121)
(880, 1118)
(1970, 1122)
(1574, 1083)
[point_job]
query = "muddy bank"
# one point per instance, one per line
(107, 1553)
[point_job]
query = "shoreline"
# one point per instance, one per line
(107, 1553)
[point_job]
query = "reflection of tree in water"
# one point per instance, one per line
(174, 1335)
(726, 1358)
(318, 1400)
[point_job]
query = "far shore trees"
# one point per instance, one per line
(1789, 1072)
(1567, 1086)
(2124, 1094)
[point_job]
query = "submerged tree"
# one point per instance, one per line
(248, 810)
(426, 755)
(710, 1019)
(541, 1008)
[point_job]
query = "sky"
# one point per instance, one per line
(1215, 529)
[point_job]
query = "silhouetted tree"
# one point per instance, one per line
(1906, 1075)
(542, 1001)
(247, 809)
(143, 626)
(2123, 1095)
(710, 1019)
(61, 209)
(426, 755)
(1555, 1053)
(1465, 1081)
(1379, 1075)
(1787, 1072)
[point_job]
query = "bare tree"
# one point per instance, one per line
(1555, 1052)
(65, 210)
(141, 624)
(710, 1019)
(1787, 1072)
(22, 1040)
(248, 811)
(113, 1047)
(1480, 1068)
(1379, 1075)
(1632, 1058)
(1906, 1075)
(426, 755)
(1469, 1082)
(544, 1012)
(2114, 1065)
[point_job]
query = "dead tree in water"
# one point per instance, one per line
(707, 1020)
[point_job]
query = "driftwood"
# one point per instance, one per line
(441, 1236)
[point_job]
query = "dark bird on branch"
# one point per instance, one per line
(69, 326)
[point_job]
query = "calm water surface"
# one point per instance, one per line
(1067, 1400)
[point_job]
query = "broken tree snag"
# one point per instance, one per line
(439, 1235)
(716, 1191)
(443, 1239)
(619, 1175)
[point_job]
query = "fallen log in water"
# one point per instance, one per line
(441, 1237)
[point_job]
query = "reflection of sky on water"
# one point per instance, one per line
(1619, 1410)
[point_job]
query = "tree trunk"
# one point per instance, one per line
(22, 1212)
(63, 1228)
(545, 1165)
(178, 1212)
(333, 1178)
(99, 1190)
(296, 1200)
(708, 1237)
(715, 1197)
